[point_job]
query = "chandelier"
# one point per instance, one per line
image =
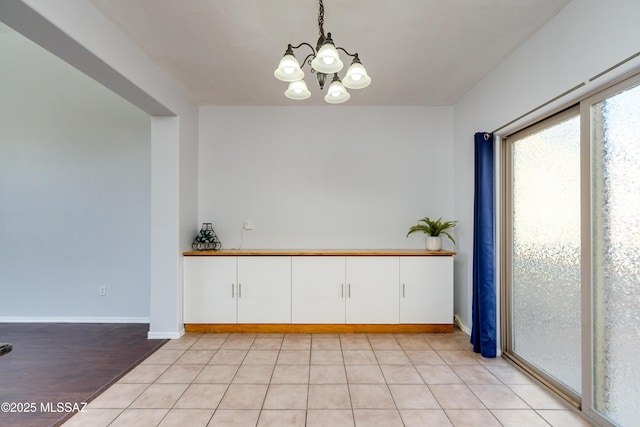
(323, 60)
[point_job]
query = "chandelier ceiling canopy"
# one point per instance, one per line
(324, 60)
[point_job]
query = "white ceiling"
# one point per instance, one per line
(417, 52)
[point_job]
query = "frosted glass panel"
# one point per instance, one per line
(615, 127)
(546, 251)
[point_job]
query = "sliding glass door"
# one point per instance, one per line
(615, 250)
(545, 249)
(571, 253)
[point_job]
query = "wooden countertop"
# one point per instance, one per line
(320, 252)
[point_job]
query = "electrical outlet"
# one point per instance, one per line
(248, 225)
(102, 290)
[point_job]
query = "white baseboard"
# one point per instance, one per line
(46, 319)
(165, 335)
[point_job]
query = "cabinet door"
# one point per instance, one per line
(426, 289)
(264, 289)
(209, 289)
(372, 289)
(317, 289)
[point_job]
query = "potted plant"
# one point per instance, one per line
(433, 229)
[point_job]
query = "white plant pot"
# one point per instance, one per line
(434, 243)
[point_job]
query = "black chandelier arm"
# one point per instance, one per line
(307, 60)
(303, 44)
(353, 55)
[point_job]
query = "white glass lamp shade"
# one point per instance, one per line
(327, 60)
(297, 90)
(336, 93)
(289, 69)
(357, 77)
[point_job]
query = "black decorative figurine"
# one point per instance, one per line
(206, 240)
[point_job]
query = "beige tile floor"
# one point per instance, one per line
(325, 380)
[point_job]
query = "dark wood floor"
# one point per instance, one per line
(64, 362)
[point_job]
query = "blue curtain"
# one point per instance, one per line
(483, 332)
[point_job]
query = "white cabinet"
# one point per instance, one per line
(426, 290)
(318, 289)
(210, 289)
(335, 289)
(372, 289)
(228, 289)
(264, 289)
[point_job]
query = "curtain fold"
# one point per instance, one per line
(483, 331)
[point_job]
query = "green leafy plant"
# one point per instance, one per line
(433, 228)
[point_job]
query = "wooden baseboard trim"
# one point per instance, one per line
(277, 328)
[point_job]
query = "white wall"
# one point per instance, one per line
(324, 177)
(584, 39)
(74, 193)
(77, 32)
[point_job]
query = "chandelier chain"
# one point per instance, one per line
(321, 20)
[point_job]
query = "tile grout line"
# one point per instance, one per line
(207, 364)
(230, 380)
(264, 399)
(186, 388)
(346, 378)
(385, 378)
(306, 414)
